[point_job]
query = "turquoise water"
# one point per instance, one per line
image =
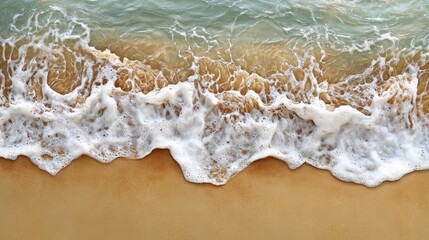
(342, 24)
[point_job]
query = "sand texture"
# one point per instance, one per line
(149, 199)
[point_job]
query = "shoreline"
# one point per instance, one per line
(150, 199)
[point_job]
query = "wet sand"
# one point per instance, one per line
(149, 199)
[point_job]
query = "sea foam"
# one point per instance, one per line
(63, 98)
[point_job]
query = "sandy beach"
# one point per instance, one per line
(339, 85)
(149, 199)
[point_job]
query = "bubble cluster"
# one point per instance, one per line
(217, 106)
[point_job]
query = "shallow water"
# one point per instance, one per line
(340, 85)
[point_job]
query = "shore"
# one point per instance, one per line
(149, 199)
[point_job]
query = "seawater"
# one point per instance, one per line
(340, 85)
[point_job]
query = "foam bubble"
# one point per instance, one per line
(217, 109)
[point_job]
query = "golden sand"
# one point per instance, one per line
(149, 199)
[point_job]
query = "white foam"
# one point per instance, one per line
(209, 145)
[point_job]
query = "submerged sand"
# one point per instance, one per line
(150, 199)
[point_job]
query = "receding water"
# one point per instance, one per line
(340, 85)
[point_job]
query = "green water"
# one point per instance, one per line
(345, 25)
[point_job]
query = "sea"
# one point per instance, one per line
(342, 85)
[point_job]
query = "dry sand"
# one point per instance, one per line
(149, 199)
